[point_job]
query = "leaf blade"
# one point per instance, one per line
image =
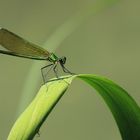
(29, 122)
(124, 109)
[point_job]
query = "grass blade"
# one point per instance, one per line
(124, 109)
(28, 124)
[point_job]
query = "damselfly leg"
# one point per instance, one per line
(45, 67)
(65, 70)
(54, 68)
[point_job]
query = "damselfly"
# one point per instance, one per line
(17, 46)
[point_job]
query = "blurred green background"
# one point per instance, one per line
(107, 44)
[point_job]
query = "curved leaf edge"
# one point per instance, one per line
(123, 107)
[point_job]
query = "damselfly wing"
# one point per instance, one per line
(20, 47)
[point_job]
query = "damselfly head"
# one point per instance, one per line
(62, 60)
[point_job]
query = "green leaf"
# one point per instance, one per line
(28, 124)
(124, 109)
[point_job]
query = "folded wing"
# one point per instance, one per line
(18, 46)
